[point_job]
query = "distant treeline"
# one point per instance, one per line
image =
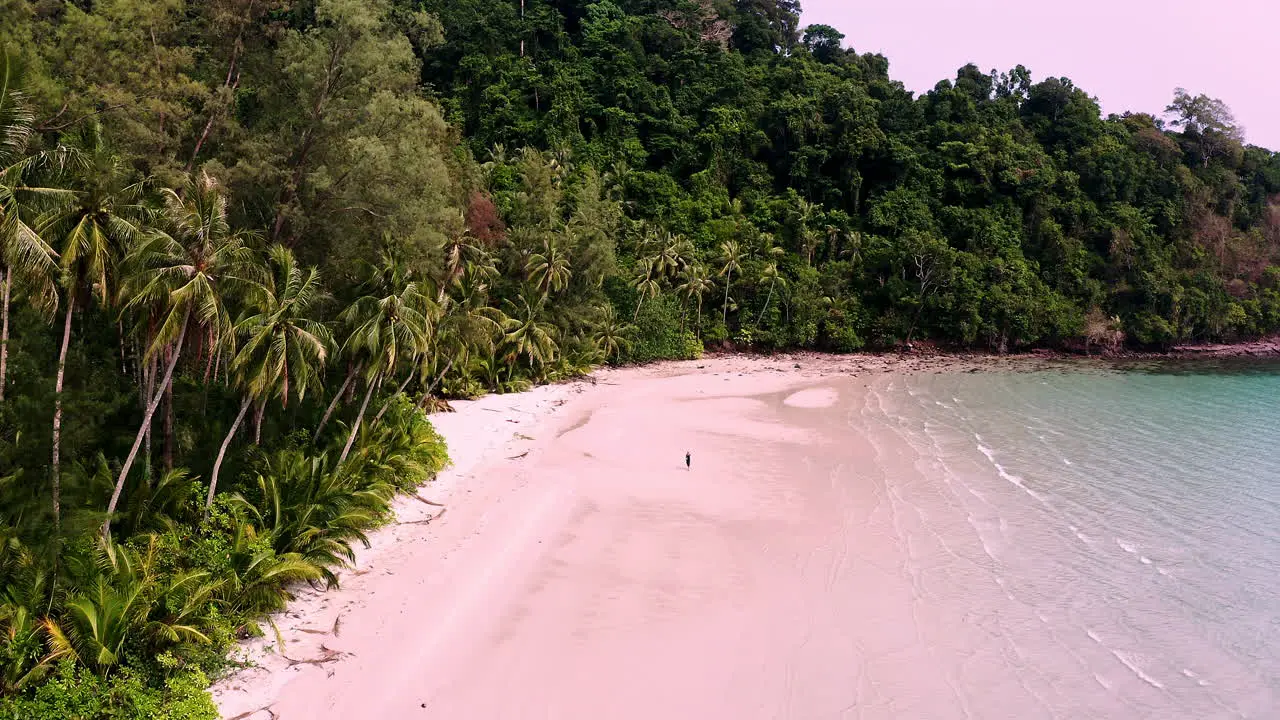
(244, 243)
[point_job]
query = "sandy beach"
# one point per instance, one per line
(576, 566)
(576, 569)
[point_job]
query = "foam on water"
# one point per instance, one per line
(1176, 470)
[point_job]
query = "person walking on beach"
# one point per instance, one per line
(688, 460)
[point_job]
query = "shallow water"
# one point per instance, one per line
(1090, 544)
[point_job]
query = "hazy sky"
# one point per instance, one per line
(1130, 54)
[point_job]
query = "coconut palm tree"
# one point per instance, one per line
(22, 251)
(611, 335)
(731, 261)
(526, 335)
(550, 270)
(93, 231)
(284, 348)
(390, 326)
(770, 275)
(696, 284)
(646, 283)
(459, 252)
(188, 268)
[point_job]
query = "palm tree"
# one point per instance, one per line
(22, 251)
(527, 335)
(389, 326)
(696, 283)
(459, 252)
(94, 230)
(809, 238)
(550, 270)
(731, 260)
(463, 326)
(611, 335)
(774, 278)
(188, 269)
(284, 348)
(646, 283)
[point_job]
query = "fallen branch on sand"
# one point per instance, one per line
(250, 713)
(329, 656)
(517, 457)
(425, 521)
(425, 501)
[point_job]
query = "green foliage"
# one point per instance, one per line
(264, 237)
(73, 693)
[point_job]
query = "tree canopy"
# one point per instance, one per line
(244, 243)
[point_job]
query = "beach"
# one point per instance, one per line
(575, 566)
(856, 537)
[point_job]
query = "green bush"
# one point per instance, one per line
(74, 693)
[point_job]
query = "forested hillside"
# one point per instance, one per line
(243, 243)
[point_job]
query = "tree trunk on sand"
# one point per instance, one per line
(222, 452)
(391, 399)
(356, 428)
(146, 422)
(422, 404)
(4, 333)
(57, 413)
(351, 374)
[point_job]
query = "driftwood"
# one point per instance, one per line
(425, 521)
(329, 655)
(250, 713)
(425, 501)
(517, 457)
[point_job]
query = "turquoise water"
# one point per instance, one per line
(1130, 521)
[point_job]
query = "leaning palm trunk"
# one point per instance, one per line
(222, 452)
(387, 405)
(728, 281)
(337, 397)
(57, 412)
(257, 421)
(146, 423)
(426, 396)
(768, 298)
(4, 332)
(356, 427)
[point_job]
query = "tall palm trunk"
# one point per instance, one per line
(725, 317)
(146, 422)
(387, 404)
(426, 396)
(337, 397)
(222, 452)
(767, 300)
(356, 427)
(57, 412)
(168, 427)
(257, 421)
(4, 333)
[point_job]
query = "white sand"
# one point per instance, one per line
(580, 571)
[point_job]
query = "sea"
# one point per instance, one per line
(1106, 540)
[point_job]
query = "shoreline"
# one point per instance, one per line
(454, 557)
(488, 436)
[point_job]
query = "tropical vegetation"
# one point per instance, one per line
(245, 246)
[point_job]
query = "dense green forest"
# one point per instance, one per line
(245, 244)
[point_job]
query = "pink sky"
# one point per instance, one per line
(1130, 54)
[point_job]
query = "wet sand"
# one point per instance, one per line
(579, 570)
